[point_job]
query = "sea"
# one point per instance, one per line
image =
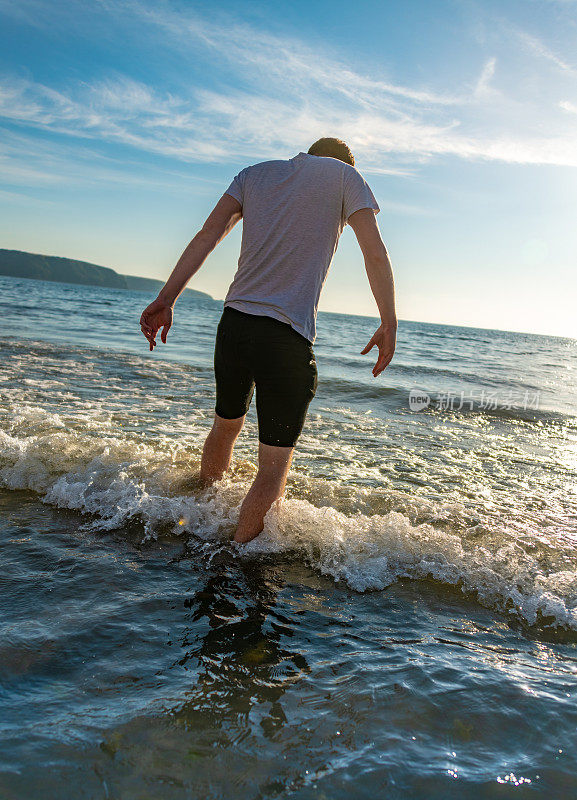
(404, 627)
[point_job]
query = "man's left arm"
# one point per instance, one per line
(221, 220)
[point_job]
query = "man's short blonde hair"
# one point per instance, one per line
(333, 148)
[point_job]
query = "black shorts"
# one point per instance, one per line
(254, 350)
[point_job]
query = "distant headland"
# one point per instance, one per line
(18, 264)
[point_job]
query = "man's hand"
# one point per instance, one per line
(157, 315)
(385, 338)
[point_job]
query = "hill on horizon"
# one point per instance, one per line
(20, 264)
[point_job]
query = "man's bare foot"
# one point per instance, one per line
(191, 484)
(241, 537)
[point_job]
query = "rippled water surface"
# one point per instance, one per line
(405, 626)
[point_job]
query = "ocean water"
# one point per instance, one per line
(405, 626)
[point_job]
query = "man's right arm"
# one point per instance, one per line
(221, 220)
(380, 275)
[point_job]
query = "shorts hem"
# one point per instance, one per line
(276, 444)
(226, 416)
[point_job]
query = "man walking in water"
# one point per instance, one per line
(293, 213)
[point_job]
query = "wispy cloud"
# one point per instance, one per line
(286, 61)
(540, 49)
(274, 95)
(484, 87)
(26, 162)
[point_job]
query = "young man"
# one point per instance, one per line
(293, 213)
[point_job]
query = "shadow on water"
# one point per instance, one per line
(229, 725)
(239, 662)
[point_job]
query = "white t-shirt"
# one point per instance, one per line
(294, 212)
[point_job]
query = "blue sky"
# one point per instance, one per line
(121, 124)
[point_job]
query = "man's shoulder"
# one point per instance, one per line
(320, 165)
(336, 168)
(264, 165)
(352, 171)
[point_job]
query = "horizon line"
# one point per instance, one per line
(321, 311)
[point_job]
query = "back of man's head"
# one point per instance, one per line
(333, 148)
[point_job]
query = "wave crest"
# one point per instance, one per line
(373, 537)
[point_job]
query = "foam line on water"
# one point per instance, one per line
(114, 478)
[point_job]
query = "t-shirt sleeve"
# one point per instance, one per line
(357, 194)
(236, 188)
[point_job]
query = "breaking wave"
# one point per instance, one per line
(366, 537)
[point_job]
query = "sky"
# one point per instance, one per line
(122, 123)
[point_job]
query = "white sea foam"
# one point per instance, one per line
(88, 464)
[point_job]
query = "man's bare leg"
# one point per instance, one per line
(217, 450)
(268, 486)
